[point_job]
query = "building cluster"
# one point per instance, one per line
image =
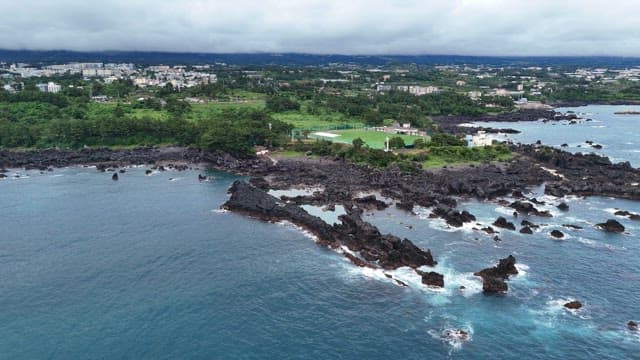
(605, 74)
(177, 76)
(416, 90)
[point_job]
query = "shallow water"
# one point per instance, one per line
(618, 134)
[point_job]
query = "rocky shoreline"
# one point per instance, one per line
(451, 123)
(46, 159)
(352, 185)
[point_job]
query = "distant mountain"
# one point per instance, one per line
(152, 58)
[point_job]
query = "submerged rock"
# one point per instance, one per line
(611, 226)
(557, 234)
(563, 206)
(489, 230)
(628, 214)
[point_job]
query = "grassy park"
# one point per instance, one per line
(374, 139)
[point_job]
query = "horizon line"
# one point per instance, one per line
(274, 53)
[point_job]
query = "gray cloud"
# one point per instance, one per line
(470, 27)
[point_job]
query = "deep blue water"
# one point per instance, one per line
(149, 268)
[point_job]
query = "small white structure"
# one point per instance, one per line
(481, 139)
(50, 87)
(475, 95)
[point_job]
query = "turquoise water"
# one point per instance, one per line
(148, 267)
(618, 134)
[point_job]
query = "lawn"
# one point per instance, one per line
(374, 139)
(437, 161)
(317, 122)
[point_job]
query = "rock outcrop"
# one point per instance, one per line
(501, 222)
(453, 217)
(432, 279)
(527, 208)
(494, 279)
(374, 249)
(573, 305)
(611, 226)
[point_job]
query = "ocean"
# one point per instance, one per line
(149, 267)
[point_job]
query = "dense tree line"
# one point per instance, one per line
(34, 119)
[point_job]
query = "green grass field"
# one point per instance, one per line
(374, 139)
(435, 161)
(317, 122)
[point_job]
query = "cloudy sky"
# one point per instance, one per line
(467, 27)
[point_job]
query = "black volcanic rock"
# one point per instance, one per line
(526, 230)
(386, 251)
(492, 285)
(630, 215)
(370, 202)
(489, 230)
(528, 209)
(611, 226)
(501, 222)
(405, 205)
(453, 217)
(573, 305)
(494, 278)
(432, 279)
(528, 223)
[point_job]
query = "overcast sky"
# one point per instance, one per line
(466, 27)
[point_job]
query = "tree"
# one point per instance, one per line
(396, 143)
(357, 144)
(419, 144)
(177, 107)
(279, 103)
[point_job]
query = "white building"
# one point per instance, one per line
(475, 95)
(53, 87)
